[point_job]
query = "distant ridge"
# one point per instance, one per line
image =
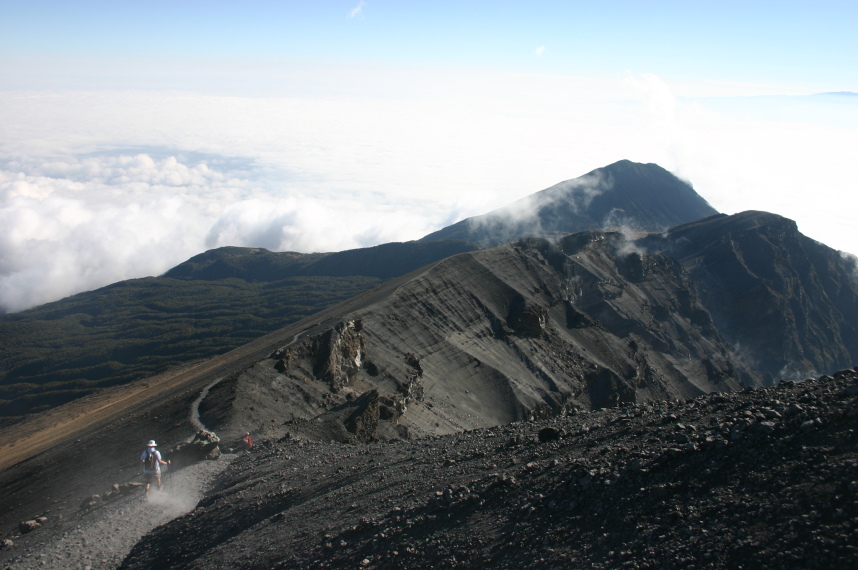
(643, 197)
(257, 264)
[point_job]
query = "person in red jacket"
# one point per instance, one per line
(248, 441)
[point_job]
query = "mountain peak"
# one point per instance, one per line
(640, 196)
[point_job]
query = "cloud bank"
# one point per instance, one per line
(96, 187)
(79, 223)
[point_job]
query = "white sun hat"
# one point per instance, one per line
(152, 443)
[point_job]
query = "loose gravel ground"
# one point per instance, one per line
(764, 478)
(99, 537)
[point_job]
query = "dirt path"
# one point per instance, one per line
(48, 429)
(100, 538)
(45, 430)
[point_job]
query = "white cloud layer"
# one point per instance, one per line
(99, 187)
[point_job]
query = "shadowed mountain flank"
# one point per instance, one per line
(255, 264)
(640, 196)
(787, 302)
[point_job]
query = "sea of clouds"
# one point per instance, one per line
(97, 187)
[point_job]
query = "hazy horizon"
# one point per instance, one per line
(136, 135)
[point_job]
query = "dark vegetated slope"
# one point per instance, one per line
(762, 478)
(137, 328)
(381, 261)
(641, 196)
(212, 303)
(386, 260)
(249, 264)
(787, 302)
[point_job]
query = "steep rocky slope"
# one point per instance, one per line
(761, 478)
(537, 329)
(485, 338)
(787, 302)
(640, 196)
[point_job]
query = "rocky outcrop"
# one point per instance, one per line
(205, 445)
(30, 525)
(363, 422)
(338, 354)
(525, 319)
(333, 357)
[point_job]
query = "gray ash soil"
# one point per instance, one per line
(763, 478)
(99, 537)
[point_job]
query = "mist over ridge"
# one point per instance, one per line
(641, 197)
(97, 187)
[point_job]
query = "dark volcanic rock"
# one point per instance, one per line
(203, 446)
(762, 478)
(789, 303)
(28, 526)
(528, 330)
(535, 329)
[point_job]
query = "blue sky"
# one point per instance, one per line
(804, 45)
(134, 135)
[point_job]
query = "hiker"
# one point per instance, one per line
(248, 441)
(152, 462)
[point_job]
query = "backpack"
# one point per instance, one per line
(151, 462)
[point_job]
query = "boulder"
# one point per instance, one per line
(28, 526)
(204, 446)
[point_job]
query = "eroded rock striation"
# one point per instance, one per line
(537, 329)
(528, 330)
(789, 304)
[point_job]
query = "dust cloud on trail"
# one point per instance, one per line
(101, 537)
